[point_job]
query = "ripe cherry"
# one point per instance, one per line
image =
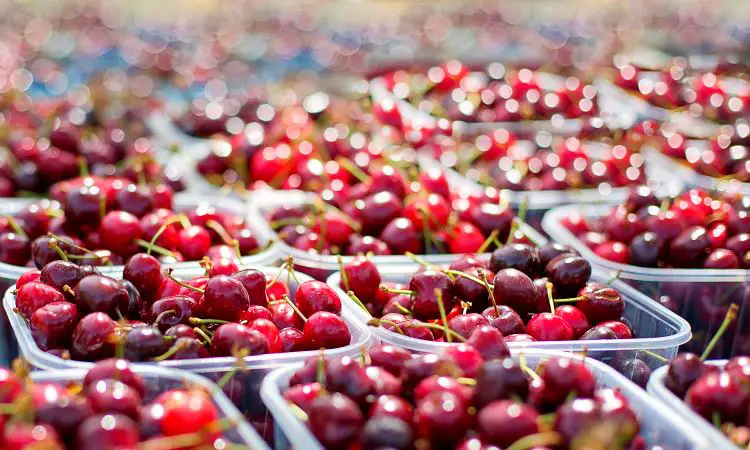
(314, 296)
(326, 330)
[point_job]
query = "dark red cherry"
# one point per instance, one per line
(144, 271)
(114, 397)
(233, 337)
(134, 199)
(53, 324)
(490, 217)
(83, 205)
(568, 274)
(144, 343)
(254, 282)
(503, 422)
(424, 286)
(465, 324)
(505, 319)
(187, 348)
(575, 318)
(335, 420)
(99, 293)
(171, 311)
(489, 342)
(401, 236)
(93, 337)
(181, 330)
(345, 375)
(386, 432)
(598, 333)
(441, 417)
(560, 377)
(363, 277)
(61, 273)
(600, 303)
(719, 393)
(107, 431)
(683, 370)
(515, 289)
(722, 258)
(194, 242)
(645, 249)
(389, 357)
(392, 406)
(14, 249)
(32, 296)
(576, 417)
(502, 379)
(690, 248)
(522, 257)
(119, 231)
(551, 251)
(225, 298)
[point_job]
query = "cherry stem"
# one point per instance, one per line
(448, 332)
(487, 242)
(614, 277)
(728, 319)
(380, 322)
(403, 309)
(72, 244)
(169, 275)
(276, 224)
(184, 221)
(422, 262)
(523, 208)
(16, 227)
(199, 321)
(162, 315)
(344, 276)
(203, 334)
(290, 270)
(513, 227)
(344, 216)
(547, 438)
(353, 169)
(52, 244)
(467, 381)
(298, 412)
(236, 246)
(321, 217)
(655, 355)
(441, 308)
(102, 207)
(220, 230)
(549, 297)
(359, 303)
(665, 205)
(68, 290)
(396, 291)
(490, 291)
(172, 350)
(155, 248)
(294, 307)
(161, 231)
(581, 298)
(189, 440)
(278, 275)
(525, 367)
(83, 167)
(320, 370)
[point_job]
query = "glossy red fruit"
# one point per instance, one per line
(326, 330)
(225, 298)
(93, 337)
(53, 324)
(575, 318)
(33, 295)
(549, 327)
(362, 278)
(504, 422)
(119, 231)
(231, 338)
(335, 420)
(271, 333)
(189, 412)
(314, 296)
(441, 417)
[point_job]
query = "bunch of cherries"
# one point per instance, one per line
(493, 94)
(464, 399)
(501, 160)
(43, 151)
(76, 312)
(386, 214)
(515, 293)
(112, 407)
(717, 392)
(708, 94)
(104, 221)
(694, 230)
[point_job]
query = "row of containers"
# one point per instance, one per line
(659, 332)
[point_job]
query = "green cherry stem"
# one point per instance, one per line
(443, 316)
(728, 319)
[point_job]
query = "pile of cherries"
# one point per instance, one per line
(500, 160)
(718, 393)
(724, 156)
(493, 93)
(386, 214)
(112, 407)
(50, 143)
(708, 94)
(464, 399)
(515, 293)
(693, 230)
(103, 221)
(76, 312)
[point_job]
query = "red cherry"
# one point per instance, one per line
(575, 318)
(549, 327)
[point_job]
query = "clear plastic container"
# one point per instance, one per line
(182, 201)
(701, 296)
(322, 266)
(158, 380)
(690, 177)
(701, 426)
(244, 387)
(658, 425)
(659, 332)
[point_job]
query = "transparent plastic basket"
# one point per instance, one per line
(159, 380)
(182, 201)
(659, 391)
(658, 425)
(690, 177)
(244, 387)
(659, 332)
(322, 266)
(701, 296)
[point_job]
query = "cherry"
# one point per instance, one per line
(551, 251)
(719, 393)
(144, 271)
(367, 244)
(119, 231)
(254, 282)
(633, 368)
(53, 324)
(549, 327)
(33, 295)
(644, 250)
(568, 273)
(466, 358)
(115, 397)
(14, 249)
(83, 205)
(18, 436)
(93, 337)
(225, 298)
(345, 375)
(425, 286)
(233, 337)
(438, 383)
(683, 370)
(386, 432)
(465, 238)
(171, 311)
(598, 333)
(377, 210)
(284, 316)
(666, 224)
(389, 357)
(186, 348)
(335, 420)
(362, 278)
(135, 200)
(383, 381)
(500, 380)
(490, 217)
(505, 319)
(560, 377)
(11, 386)
(576, 417)
(722, 259)
(503, 422)
(326, 330)
(149, 421)
(181, 330)
(690, 248)
(270, 332)
(144, 343)
(621, 330)
(515, 289)
(522, 257)
(392, 406)
(441, 417)
(401, 236)
(466, 324)
(194, 242)
(314, 296)
(61, 273)
(65, 414)
(613, 251)
(27, 277)
(600, 303)
(575, 318)
(99, 293)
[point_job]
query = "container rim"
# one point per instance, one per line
(551, 223)
(41, 359)
(682, 331)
